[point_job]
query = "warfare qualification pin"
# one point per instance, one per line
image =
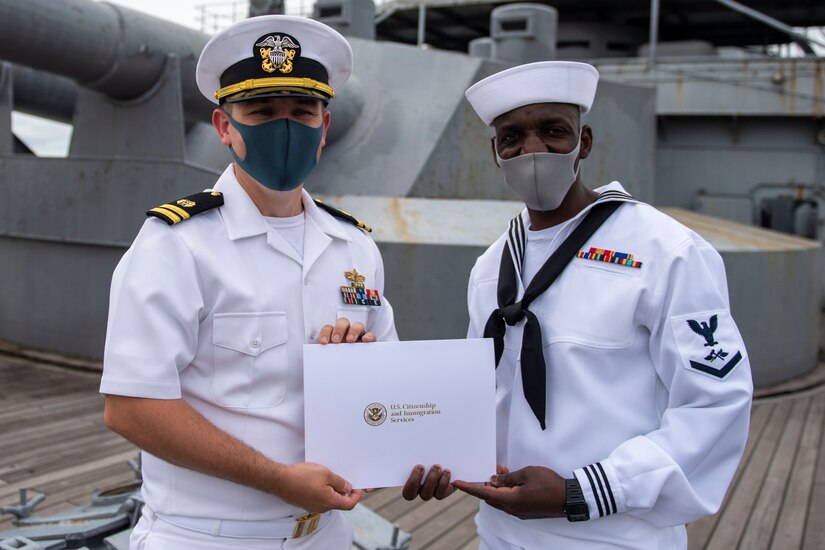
(354, 276)
(356, 293)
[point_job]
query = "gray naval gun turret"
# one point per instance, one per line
(401, 129)
(405, 153)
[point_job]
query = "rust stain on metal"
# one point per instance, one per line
(402, 225)
(779, 80)
(818, 99)
(792, 87)
(680, 92)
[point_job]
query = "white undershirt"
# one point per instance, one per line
(291, 229)
(540, 245)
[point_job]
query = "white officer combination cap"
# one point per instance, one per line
(541, 82)
(274, 56)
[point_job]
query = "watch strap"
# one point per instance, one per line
(575, 506)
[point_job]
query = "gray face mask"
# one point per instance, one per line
(541, 180)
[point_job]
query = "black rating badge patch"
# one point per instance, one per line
(708, 342)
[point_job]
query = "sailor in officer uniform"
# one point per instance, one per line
(212, 304)
(623, 385)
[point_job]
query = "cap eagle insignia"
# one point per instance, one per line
(705, 330)
(277, 53)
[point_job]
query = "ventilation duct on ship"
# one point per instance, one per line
(354, 18)
(265, 7)
(481, 47)
(523, 33)
(586, 40)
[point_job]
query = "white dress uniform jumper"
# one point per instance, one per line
(647, 381)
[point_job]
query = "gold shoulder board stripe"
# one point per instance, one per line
(182, 209)
(346, 216)
(165, 215)
(177, 210)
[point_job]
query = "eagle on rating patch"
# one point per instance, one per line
(705, 330)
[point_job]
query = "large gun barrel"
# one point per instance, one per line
(44, 95)
(110, 49)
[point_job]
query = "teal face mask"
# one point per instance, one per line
(280, 154)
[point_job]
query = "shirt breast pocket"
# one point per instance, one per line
(595, 307)
(250, 359)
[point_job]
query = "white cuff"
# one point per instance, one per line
(151, 389)
(601, 490)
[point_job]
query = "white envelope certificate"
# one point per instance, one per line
(373, 411)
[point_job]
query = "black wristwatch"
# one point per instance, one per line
(575, 507)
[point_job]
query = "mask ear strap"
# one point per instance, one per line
(495, 153)
(577, 162)
(234, 124)
(231, 120)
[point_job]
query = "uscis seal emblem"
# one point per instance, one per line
(186, 203)
(277, 52)
(375, 414)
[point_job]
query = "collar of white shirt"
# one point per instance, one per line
(243, 219)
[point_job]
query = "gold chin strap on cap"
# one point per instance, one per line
(255, 83)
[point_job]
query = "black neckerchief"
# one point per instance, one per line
(510, 312)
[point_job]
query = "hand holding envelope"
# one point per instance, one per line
(435, 485)
(342, 332)
(531, 492)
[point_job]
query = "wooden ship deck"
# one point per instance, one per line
(52, 441)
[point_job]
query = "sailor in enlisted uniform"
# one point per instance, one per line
(212, 304)
(623, 385)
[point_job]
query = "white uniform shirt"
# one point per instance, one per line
(638, 408)
(291, 229)
(216, 310)
(539, 246)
